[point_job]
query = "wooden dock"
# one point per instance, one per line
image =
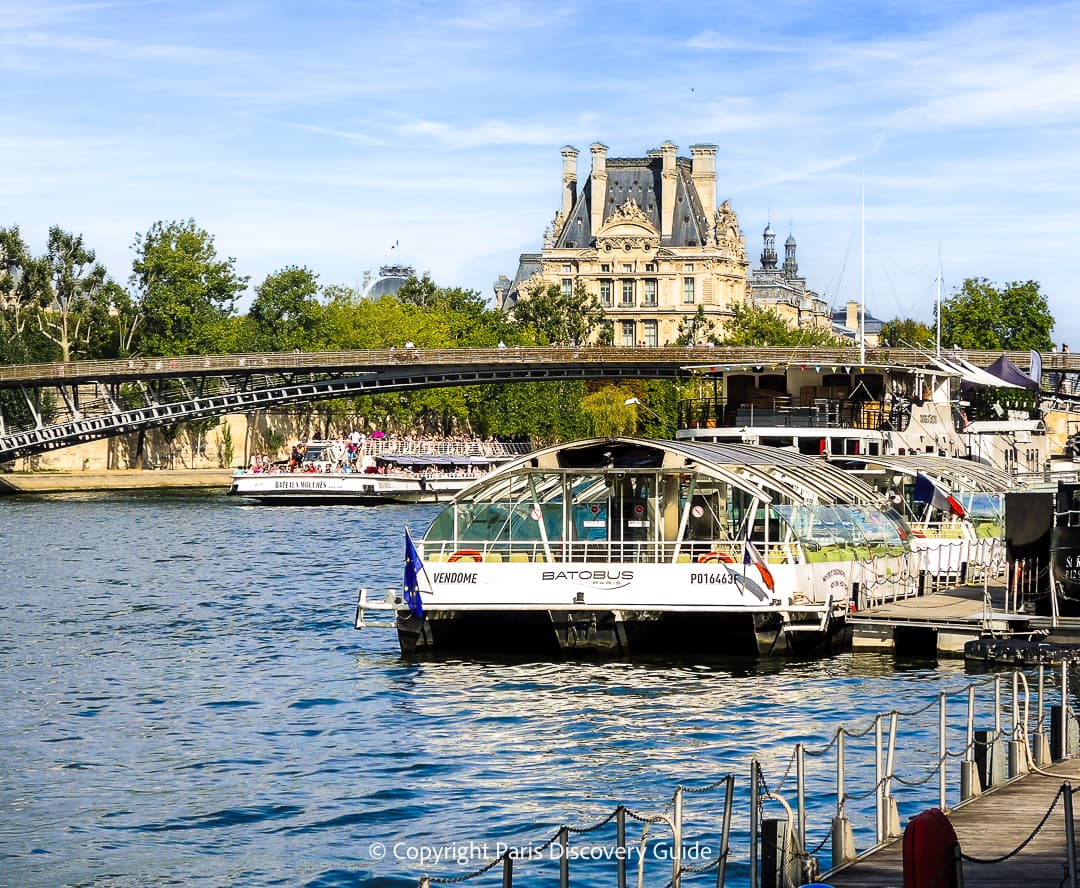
(938, 624)
(989, 827)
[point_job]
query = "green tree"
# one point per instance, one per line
(286, 311)
(753, 325)
(905, 331)
(24, 291)
(560, 318)
(608, 413)
(980, 315)
(186, 294)
(76, 305)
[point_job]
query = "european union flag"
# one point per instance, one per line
(410, 584)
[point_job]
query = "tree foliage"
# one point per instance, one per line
(981, 315)
(561, 318)
(754, 325)
(75, 304)
(185, 293)
(901, 332)
(286, 313)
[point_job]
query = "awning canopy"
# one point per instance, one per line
(1005, 369)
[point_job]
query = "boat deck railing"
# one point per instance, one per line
(786, 411)
(606, 551)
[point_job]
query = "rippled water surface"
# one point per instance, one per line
(185, 701)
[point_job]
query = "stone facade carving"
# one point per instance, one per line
(633, 238)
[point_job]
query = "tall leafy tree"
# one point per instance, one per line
(76, 306)
(24, 290)
(561, 318)
(906, 331)
(286, 310)
(754, 325)
(982, 315)
(186, 293)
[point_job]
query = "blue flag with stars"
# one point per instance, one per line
(410, 584)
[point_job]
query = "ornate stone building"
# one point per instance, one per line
(782, 290)
(646, 236)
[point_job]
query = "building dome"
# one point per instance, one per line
(390, 280)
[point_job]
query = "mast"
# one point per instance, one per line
(862, 278)
(937, 337)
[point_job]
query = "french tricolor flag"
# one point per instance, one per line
(927, 491)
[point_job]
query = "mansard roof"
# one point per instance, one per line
(639, 179)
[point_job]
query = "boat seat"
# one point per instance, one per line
(519, 556)
(435, 556)
(682, 558)
(494, 557)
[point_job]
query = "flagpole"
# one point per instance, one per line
(423, 567)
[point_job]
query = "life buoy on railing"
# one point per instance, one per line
(466, 554)
(714, 557)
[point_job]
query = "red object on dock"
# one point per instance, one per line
(929, 843)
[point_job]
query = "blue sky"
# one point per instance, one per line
(321, 133)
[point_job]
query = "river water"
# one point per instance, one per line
(185, 701)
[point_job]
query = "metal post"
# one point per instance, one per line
(879, 799)
(943, 752)
(997, 706)
(725, 830)
(1070, 834)
(564, 857)
(755, 807)
(1064, 735)
(800, 780)
(508, 870)
(620, 839)
(841, 781)
(676, 829)
(969, 771)
(891, 814)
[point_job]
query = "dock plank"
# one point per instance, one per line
(989, 827)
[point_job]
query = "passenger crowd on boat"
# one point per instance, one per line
(358, 452)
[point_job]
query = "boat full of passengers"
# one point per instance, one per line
(369, 471)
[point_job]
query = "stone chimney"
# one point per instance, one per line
(851, 321)
(569, 179)
(667, 189)
(599, 185)
(704, 175)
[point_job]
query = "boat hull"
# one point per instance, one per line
(603, 633)
(321, 488)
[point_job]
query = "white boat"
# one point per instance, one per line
(955, 509)
(631, 547)
(852, 410)
(385, 474)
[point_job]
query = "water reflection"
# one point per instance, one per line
(184, 693)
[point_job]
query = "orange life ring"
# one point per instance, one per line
(470, 554)
(713, 557)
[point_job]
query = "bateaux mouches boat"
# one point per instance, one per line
(627, 546)
(325, 475)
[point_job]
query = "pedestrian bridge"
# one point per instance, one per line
(49, 406)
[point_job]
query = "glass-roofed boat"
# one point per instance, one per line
(954, 507)
(626, 547)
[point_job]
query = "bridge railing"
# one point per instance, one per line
(699, 357)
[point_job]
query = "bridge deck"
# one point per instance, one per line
(989, 827)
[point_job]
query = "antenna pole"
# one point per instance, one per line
(862, 278)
